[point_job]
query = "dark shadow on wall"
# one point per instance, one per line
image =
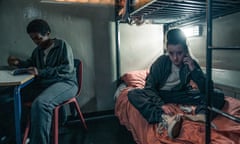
(99, 18)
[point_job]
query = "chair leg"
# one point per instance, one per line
(55, 125)
(26, 131)
(56, 119)
(80, 114)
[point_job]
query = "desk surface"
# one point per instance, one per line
(7, 79)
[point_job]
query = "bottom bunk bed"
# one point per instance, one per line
(225, 131)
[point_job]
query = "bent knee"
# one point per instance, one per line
(39, 105)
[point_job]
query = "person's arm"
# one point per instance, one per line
(199, 78)
(14, 61)
(151, 80)
(65, 67)
(196, 73)
(25, 63)
(156, 75)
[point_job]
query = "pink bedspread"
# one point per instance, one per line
(227, 132)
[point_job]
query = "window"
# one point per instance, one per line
(191, 31)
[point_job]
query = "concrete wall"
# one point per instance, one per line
(225, 33)
(139, 46)
(89, 29)
(85, 27)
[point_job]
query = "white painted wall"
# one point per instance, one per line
(140, 46)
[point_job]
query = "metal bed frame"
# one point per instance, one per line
(173, 13)
(209, 50)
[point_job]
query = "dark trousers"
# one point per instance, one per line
(6, 111)
(44, 99)
(149, 104)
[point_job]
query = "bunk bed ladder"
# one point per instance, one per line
(209, 49)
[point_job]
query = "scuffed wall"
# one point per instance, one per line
(84, 27)
(89, 30)
(225, 33)
(140, 46)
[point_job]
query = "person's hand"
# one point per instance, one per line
(167, 110)
(33, 71)
(13, 61)
(187, 60)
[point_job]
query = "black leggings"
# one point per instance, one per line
(149, 104)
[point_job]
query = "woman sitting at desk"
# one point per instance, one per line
(52, 63)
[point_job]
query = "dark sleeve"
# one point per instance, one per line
(152, 79)
(64, 69)
(27, 63)
(199, 78)
(155, 78)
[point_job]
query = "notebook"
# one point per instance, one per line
(20, 71)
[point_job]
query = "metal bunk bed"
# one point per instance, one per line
(209, 49)
(177, 13)
(180, 12)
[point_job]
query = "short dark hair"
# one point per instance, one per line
(39, 26)
(176, 36)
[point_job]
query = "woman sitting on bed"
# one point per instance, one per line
(168, 82)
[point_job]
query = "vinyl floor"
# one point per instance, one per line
(103, 129)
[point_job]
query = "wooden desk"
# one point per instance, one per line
(19, 81)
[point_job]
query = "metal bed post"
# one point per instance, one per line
(123, 19)
(209, 49)
(208, 69)
(165, 30)
(117, 41)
